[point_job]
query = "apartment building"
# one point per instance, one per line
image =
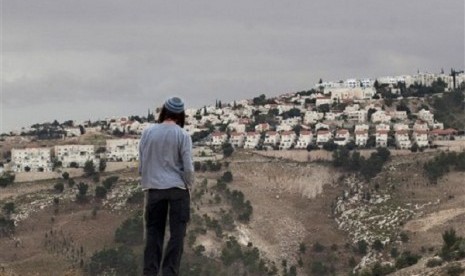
(123, 149)
(31, 160)
(78, 154)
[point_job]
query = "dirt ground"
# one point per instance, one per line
(29, 256)
(292, 205)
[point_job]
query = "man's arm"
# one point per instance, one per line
(188, 166)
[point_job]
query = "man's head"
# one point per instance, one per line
(173, 109)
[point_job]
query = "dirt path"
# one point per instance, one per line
(434, 219)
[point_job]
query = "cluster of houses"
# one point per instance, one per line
(351, 116)
(43, 159)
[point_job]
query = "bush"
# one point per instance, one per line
(317, 247)
(7, 227)
(109, 182)
(362, 246)
(130, 231)
(59, 187)
(120, 261)
(319, 268)
(71, 183)
(65, 175)
(434, 262)
(100, 192)
(9, 208)
(82, 192)
(227, 149)
(378, 245)
(227, 177)
(6, 179)
(89, 168)
(406, 259)
(455, 269)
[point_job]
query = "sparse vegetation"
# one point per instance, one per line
(7, 178)
(130, 231)
(443, 163)
(119, 261)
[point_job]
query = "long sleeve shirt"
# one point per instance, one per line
(165, 157)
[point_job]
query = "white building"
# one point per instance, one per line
(361, 137)
(400, 126)
(361, 127)
(305, 138)
(251, 140)
(359, 116)
(312, 117)
(421, 138)
(356, 93)
(262, 127)
(323, 136)
(385, 127)
(342, 137)
(78, 154)
(399, 115)
(419, 125)
(31, 159)
(219, 138)
(73, 131)
(123, 150)
(380, 117)
(426, 116)
(272, 138)
(287, 139)
(381, 138)
(402, 139)
(323, 100)
(237, 139)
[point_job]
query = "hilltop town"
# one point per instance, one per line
(388, 177)
(394, 112)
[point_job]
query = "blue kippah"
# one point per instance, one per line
(175, 105)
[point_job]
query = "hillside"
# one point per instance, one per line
(274, 216)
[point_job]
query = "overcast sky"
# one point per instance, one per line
(91, 59)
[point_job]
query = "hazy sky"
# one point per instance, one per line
(90, 59)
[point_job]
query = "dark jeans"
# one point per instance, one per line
(158, 204)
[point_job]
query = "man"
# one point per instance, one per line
(167, 173)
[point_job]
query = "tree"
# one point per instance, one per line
(9, 208)
(109, 182)
(65, 175)
(378, 245)
(362, 247)
(82, 192)
(102, 165)
(6, 179)
(59, 187)
(82, 129)
(227, 177)
(227, 149)
(129, 233)
(89, 168)
(120, 261)
(100, 192)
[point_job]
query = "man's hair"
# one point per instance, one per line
(179, 118)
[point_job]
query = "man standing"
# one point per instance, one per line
(167, 173)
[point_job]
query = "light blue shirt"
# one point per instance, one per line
(165, 157)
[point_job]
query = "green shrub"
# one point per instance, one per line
(59, 187)
(131, 230)
(434, 262)
(406, 259)
(100, 192)
(120, 261)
